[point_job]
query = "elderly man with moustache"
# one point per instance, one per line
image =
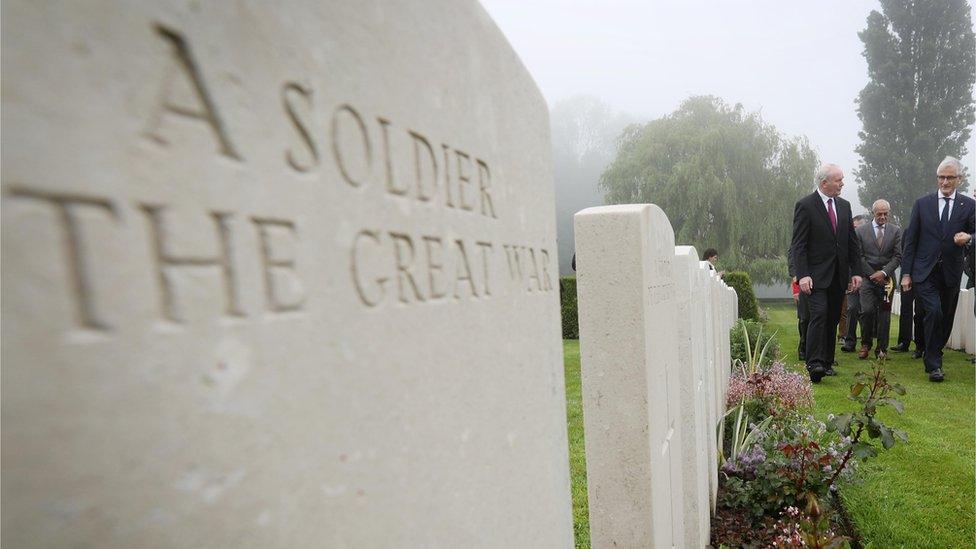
(827, 259)
(881, 251)
(941, 225)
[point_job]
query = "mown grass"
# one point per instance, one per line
(577, 453)
(920, 494)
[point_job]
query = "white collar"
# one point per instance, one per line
(824, 197)
(951, 197)
(876, 226)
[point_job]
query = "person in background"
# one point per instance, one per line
(711, 256)
(881, 250)
(826, 260)
(802, 312)
(910, 325)
(851, 308)
(941, 225)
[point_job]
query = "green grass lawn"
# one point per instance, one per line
(577, 453)
(919, 494)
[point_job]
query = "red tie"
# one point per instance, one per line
(831, 214)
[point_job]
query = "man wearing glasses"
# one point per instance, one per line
(940, 227)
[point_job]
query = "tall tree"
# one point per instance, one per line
(584, 133)
(725, 178)
(918, 105)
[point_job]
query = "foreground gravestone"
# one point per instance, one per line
(277, 274)
(694, 397)
(628, 358)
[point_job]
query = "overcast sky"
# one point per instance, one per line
(799, 63)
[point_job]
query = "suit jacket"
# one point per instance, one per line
(888, 257)
(816, 251)
(925, 242)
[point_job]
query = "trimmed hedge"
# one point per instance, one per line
(567, 297)
(742, 283)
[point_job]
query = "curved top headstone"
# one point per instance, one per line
(277, 274)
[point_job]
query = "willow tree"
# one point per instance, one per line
(725, 178)
(918, 104)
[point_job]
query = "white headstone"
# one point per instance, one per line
(963, 324)
(967, 297)
(628, 348)
(277, 274)
(694, 421)
(705, 274)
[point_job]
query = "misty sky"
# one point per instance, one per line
(799, 63)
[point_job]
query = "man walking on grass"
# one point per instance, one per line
(880, 244)
(941, 225)
(827, 259)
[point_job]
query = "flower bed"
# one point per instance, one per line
(780, 465)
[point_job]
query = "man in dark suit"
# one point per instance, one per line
(850, 311)
(941, 225)
(880, 244)
(827, 259)
(910, 325)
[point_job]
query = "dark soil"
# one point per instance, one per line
(735, 528)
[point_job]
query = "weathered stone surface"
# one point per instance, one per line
(277, 274)
(716, 396)
(694, 398)
(628, 350)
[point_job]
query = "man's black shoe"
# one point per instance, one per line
(936, 375)
(816, 374)
(918, 354)
(847, 349)
(900, 348)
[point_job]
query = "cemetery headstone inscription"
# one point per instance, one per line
(280, 273)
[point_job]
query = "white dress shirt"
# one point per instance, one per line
(942, 203)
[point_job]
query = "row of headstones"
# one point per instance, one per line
(655, 357)
(963, 335)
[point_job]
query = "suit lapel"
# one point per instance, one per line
(957, 213)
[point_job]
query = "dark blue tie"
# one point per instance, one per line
(944, 219)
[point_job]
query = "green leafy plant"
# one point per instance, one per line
(752, 346)
(811, 528)
(785, 460)
(872, 391)
(743, 433)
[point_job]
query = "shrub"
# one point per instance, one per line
(757, 339)
(748, 306)
(567, 297)
(769, 392)
(790, 460)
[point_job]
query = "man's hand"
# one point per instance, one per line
(961, 238)
(879, 277)
(806, 285)
(906, 283)
(854, 285)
